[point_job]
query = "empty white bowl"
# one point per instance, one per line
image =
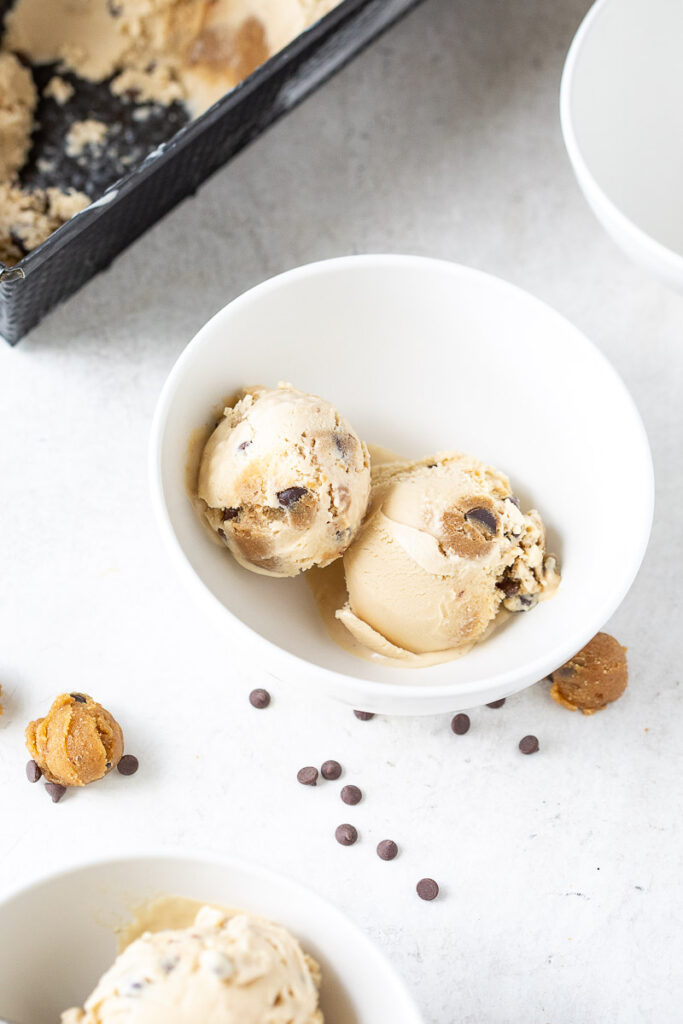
(420, 355)
(58, 934)
(621, 102)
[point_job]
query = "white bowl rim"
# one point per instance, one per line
(183, 853)
(506, 682)
(671, 260)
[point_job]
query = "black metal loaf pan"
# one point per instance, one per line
(176, 168)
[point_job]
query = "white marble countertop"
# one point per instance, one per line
(561, 897)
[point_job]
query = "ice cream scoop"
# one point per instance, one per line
(222, 970)
(284, 481)
(444, 547)
(77, 742)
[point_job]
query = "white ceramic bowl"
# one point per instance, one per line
(420, 355)
(621, 102)
(57, 935)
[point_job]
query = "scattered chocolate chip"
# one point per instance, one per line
(128, 765)
(364, 716)
(290, 496)
(331, 770)
(484, 517)
(351, 795)
(460, 724)
(346, 835)
(427, 889)
(79, 698)
(242, 447)
(387, 849)
(496, 703)
(508, 586)
(33, 772)
(259, 699)
(230, 513)
(514, 499)
(55, 790)
(307, 776)
(528, 744)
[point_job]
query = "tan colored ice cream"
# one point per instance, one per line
(224, 969)
(284, 481)
(444, 547)
(164, 50)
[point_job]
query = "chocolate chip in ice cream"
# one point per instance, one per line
(346, 835)
(528, 744)
(290, 496)
(509, 586)
(33, 772)
(80, 698)
(128, 765)
(331, 770)
(55, 791)
(243, 447)
(387, 849)
(230, 513)
(496, 703)
(307, 776)
(515, 500)
(259, 699)
(484, 517)
(351, 795)
(427, 889)
(460, 724)
(364, 716)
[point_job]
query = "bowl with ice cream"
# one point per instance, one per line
(400, 482)
(176, 939)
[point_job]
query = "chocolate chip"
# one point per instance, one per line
(351, 795)
(364, 716)
(242, 447)
(108, 765)
(460, 724)
(307, 776)
(33, 772)
(221, 534)
(346, 835)
(427, 889)
(431, 465)
(230, 513)
(484, 517)
(128, 765)
(528, 744)
(508, 586)
(514, 499)
(79, 697)
(259, 699)
(55, 790)
(496, 703)
(290, 496)
(387, 849)
(331, 770)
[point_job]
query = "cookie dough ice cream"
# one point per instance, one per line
(593, 678)
(444, 548)
(284, 481)
(77, 742)
(224, 969)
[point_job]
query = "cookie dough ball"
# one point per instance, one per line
(284, 481)
(77, 742)
(593, 678)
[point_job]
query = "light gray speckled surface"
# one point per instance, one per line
(561, 872)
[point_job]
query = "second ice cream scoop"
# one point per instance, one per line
(444, 547)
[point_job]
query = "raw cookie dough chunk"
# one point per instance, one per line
(223, 970)
(442, 550)
(77, 742)
(17, 102)
(284, 481)
(593, 678)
